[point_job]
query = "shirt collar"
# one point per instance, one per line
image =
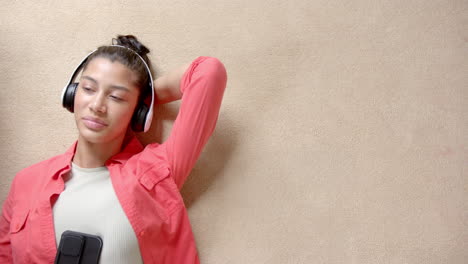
(131, 148)
(63, 162)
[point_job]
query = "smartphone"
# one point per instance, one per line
(78, 248)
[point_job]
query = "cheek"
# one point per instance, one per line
(80, 100)
(123, 114)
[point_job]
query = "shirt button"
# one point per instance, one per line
(142, 233)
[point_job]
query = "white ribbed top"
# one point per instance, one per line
(89, 205)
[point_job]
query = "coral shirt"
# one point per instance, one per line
(146, 181)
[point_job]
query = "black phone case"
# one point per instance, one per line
(78, 248)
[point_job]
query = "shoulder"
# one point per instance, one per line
(45, 165)
(40, 171)
(29, 182)
(152, 155)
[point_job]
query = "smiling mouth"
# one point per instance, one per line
(93, 123)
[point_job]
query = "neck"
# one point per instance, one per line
(93, 155)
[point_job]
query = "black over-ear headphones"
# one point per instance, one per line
(141, 120)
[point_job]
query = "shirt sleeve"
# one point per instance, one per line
(202, 87)
(5, 219)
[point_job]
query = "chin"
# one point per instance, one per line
(93, 138)
(96, 137)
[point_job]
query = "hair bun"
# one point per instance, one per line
(132, 42)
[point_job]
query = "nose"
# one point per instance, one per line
(98, 104)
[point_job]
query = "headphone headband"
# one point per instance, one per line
(149, 115)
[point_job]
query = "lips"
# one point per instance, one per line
(94, 123)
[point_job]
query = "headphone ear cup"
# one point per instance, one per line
(69, 97)
(139, 118)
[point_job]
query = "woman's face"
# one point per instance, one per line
(105, 100)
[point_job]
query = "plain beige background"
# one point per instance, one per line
(343, 134)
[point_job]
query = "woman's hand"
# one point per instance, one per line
(167, 87)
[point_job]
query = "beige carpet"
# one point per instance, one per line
(343, 135)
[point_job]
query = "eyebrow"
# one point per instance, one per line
(118, 87)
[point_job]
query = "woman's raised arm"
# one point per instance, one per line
(200, 85)
(167, 87)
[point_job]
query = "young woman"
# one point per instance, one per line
(107, 184)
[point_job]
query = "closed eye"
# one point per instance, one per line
(116, 98)
(87, 89)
